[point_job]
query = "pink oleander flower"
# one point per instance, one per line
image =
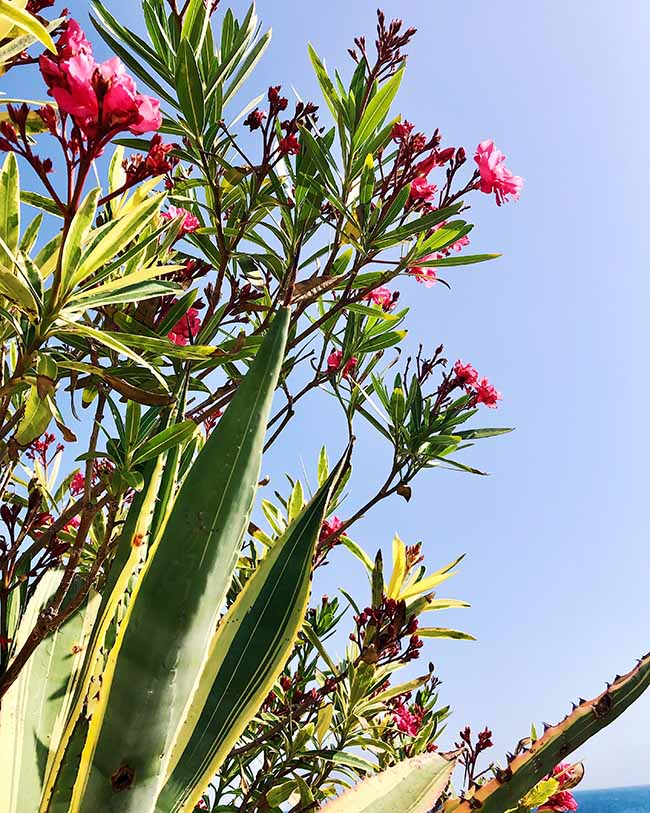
(407, 721)
(495, 176)
(255, 119)
(436, 159)
(458, 245)
(186, 328)
(485, 393)
(72, 525)
(101, 98)
(158, 160)
(330, 528)
(424, 275)
(77, 484)
(383, 297)
(42, 521)
(334, 362)
(190, 222)
(561, 802)
(422, 191)
(289, 145)
(466, 374)
(401, 131)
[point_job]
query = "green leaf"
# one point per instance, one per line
(75, 239)
(176, 434)
(17, 292)
(443, 632)
(246, 656)
(113, 343)
(412, 786)
(40, 202)
(326, 85)
(190, 88)
(158, 665)
(115, 238)
(9, 203)
(377, 109)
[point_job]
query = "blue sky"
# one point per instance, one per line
(557, 538)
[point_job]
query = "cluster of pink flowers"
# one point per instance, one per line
(483, 391)
(190, 223)
(101, 97)
(408, 721)
(495, 176)
(383, 297)
(334, 361)
(422, 191)
(563, 801)
(186, 328)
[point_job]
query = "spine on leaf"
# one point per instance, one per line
(525, 770)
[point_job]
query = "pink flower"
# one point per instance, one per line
(485, 393)
(466, 374)
(334, 362)
(330, 528)
(495, 176)
(158, 160)
(561, 802)
(383, 297)
(406, 721)
(186, 328)
(424, 275)
(255, 119)
(436, 159)
(190, 222)
(77, 484)
(422, 191)
(458, 245)
(401, 131)
(289, 145)
(102, 99)
(72, 525)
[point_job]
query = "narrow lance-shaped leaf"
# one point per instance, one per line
(246, 656)
(183, 589)
(524, 771)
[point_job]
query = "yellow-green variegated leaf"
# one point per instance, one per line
(110, 241)
(13, 14)
(428, 583)
(103, 647)
(159, 664)
(246, 656)
(9, 209)
(35, 707)
(412, 786)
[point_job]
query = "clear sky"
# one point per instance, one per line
(556, 539)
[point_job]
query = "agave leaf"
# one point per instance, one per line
(246, 656)
(412, 786)
(525, 770)
(183, 588)
(35, 707)
(116, 600)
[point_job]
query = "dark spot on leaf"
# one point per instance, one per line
(122, 779)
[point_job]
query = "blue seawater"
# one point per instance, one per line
(614, 800)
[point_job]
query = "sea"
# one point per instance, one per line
(614, 800)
